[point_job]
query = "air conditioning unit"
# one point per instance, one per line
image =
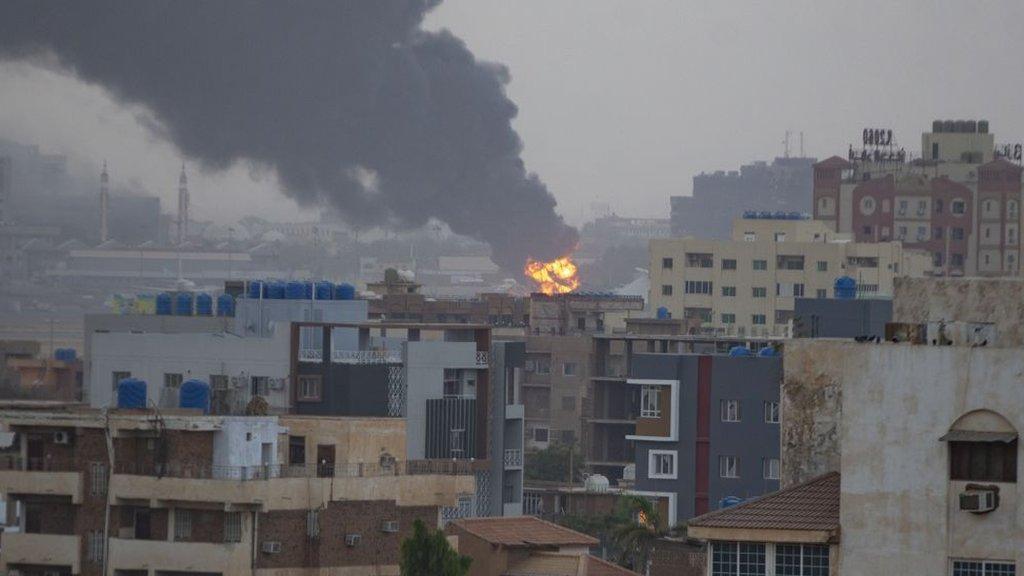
(61, 438)
(389, 526)
(979, 501)
(352, 540)
(271, 547)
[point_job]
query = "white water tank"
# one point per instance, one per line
(596, 483)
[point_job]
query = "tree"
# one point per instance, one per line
(638, 527)
(428, 553)
(552, 464)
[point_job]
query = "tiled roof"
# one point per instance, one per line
(523, 532)
(812, 505)
(554, 564)
(598, 567)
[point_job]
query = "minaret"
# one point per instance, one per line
(104, 203)
(182, 206)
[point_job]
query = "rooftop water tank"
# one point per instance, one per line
(295, 291)
(845, 288)
(65, 354)
(729, 501)
(767, 352)
(183, 304)
(275, 290)
(163, 304)
(663, 313)
(225, 305)
(324, 290)
(195, 394)
(596, 483)
(131, 393)
(344, 291)
(256, 289)
(204, 304)
(739, 352)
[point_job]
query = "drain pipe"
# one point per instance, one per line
(106, 495)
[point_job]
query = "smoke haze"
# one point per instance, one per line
(355, 106)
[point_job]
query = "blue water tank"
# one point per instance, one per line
(163, 304)
(131, 393)
(195, 394)
(739, 352)
(729, 501)
(324, 290)
(663, 313)
(845, 288)
(295, 291)
(65, 354)
(275, 290)
(204, 304)
(225, 305)
(767, 352)
(183, 304)
(344, 291)
(256, 288)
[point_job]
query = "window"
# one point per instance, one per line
(313, 523)
(780, 236)
(771, 412)
(957, 260)
(172, 381)
(116, 377)
(309, 387)
(801, 560)
(821, 293)
(97, 478)
(540, 434)
(822, 266)
(661, 464)
(233, 527)
(770, 468)
(863, 261)
(182, 524)
(902, 210)
(568, 403)
(758, 319)
(728, 466)
(730, 410)
(759, 292)
(260, 385)
(922, 207)
(867, 230)
(983, 568)
(297, 450)
(901, 233)
(938, 259)
(983, 461)
(935, 150)
(729, 291)
(737, 559)
(94, 541)
(728, 264)
(784, 262)
(798, 290)
(699, 260)
(311, 343)
(666, 263)
(543, 366)
(728, 318)
(958, 207)
(957, 234)
(569, 368)
(922, 233)
(666, 289)
(937, 233)
(698, 287)
(938, 206)
(581, 323)
(760, 264)
(650, 401)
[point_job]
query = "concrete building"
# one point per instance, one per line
(970, 310)
(720, 197)
(959, 201)
(147, 492)
(747, 285)
(841, 318)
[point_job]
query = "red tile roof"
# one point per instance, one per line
(812, 505)
(523, 532)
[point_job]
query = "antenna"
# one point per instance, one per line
(802, 144)
(785, 144)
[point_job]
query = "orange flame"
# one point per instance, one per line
(555, 277)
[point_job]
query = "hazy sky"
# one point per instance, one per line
(624, 101)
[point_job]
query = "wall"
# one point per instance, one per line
(811, 408)
(354, 439)
(239, 441)
(425, 362)
(997, 301)
(835, 318)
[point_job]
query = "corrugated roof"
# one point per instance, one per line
(973, 436)
(523, 532)
(812, 505)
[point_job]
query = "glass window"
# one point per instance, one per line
(983, 461)
(729, 466)
(540, 434)
(959, 207)
(983, 568)
(729, 291)
(661, 464)
(98, 478)
(650, 402)
(728, 318)
(821, 293)
(758, 319)
(698, 287)
(801, 560)
(666, 263)
(569, 368)
(233, 527)
(728, 264)
(730, 410)
(738, 559)
(760, 264)
(666, 289)
(771, 412)
(182, 524)
(760, 292)
(309, 387)
(822, 266)
(770, 468)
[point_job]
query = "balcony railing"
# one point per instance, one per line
(483, 358)
(513, 458)
(18, 463)
(271, 471)
(366, 356)
(314, 355)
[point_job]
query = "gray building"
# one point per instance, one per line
(841, 318)
(707, 430)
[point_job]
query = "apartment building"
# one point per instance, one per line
(175, 492)
(747, 285)
(959, 201)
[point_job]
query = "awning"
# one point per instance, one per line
(973, 436)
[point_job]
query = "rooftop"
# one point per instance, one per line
(523, 532)
(554, 564)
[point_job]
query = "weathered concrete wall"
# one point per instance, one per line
(996, 300)
(811, 410)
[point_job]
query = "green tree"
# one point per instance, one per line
(552, 464)
(427, 553)
(637, 528)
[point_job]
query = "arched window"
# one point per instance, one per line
(982, 448)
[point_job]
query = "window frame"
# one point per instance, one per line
(723, 468)
(730, 410)
(650, 408)
(963, 461)
(982, 567)
(770, 465)
(182, 524)
(301, 381)
(566, 371)
(654, 469)
(233, 527)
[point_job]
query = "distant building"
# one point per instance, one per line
(841, 318)
(720, 197)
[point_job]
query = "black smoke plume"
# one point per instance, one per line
(353, 104)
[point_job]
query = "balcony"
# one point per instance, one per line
(366, 356)
(311, 355)
(18, 476)
(162, 555)
(513, 459)
(40, 549)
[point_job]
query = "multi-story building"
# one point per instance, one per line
(172, 492)
(720, 197)
(959, 201)
(747, 285)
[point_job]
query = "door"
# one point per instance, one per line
(33, 519)
(325, 460)
(267, 460)
(143, 524)
(36, 453)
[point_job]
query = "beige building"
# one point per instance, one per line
(747, 285)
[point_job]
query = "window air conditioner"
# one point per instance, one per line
(978, 501)
(352, 540)
(389, 526)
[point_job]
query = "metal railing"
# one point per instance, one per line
(366, 356)
(311, 355)
(18, 463)
(483, 358)
(513, 458)
(325, 470)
